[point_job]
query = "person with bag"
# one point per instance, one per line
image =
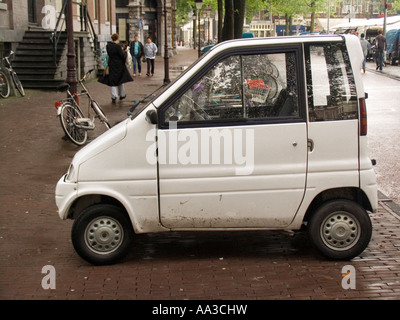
(104, 59)
(136, 50)
(118, 74)
(150, 51)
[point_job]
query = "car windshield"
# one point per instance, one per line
(140, 105)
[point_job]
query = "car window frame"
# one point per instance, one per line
(309, 83)
(296, 48)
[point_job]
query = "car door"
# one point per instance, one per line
(232, 146)
(333, 118)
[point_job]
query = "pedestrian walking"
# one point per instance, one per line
(137, 51)
(118, 73)
(150, 51)
(366, 46)
(380, 45)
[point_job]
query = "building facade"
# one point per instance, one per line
(26, 27)
(146, 18)
(16, 17)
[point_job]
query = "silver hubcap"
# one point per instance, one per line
(104, 235)
(340, 231)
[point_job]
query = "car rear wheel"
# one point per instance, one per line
(340, 229)
(102, 234)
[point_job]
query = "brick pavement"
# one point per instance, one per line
(176, 266)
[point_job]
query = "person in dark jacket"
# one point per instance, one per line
(380, 43)
(136, 48)
(118, 73)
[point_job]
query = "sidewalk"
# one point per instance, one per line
(389, 70)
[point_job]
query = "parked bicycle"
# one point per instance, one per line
(72, 120)
(4, 83)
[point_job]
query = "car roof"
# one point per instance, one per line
(279, 40)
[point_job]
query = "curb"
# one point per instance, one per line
(389, 204)
(382, 73)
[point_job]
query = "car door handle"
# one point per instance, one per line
(310, 145)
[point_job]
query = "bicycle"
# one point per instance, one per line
(74, 124)
(4, 83)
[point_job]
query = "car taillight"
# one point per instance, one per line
(58, 104)
(363, 117)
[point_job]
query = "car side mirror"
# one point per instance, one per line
(366, 95)
(151, 117)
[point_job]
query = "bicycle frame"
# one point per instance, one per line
(7, 64)
(73, 100)
(12, 74)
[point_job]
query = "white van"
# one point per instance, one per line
(258, 134)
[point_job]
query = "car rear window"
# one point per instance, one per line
(330, 83)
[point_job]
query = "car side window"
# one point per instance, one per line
(241, 88)
(330, 83)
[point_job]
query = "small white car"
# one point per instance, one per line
(258, 134)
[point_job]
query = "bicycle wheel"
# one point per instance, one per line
(18, 84)
(271, 83)
(4, 86)
(272, 70)
(68, 117)
(100, 114)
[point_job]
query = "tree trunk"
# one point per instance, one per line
(312, 24)
(194, 30)
(229, 27)
(239, 10)
(288, 24)
(220, 19)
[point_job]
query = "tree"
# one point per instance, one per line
(220, 21)
(228, 30)
(231, 15)
(396, 7)
(234, 19)
(239, 14)
(314, 6)
(288, 8)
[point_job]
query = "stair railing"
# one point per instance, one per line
(56, 34)
(86, 25)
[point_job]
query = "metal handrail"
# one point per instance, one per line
(89, 25)
(86, 23)
(56, 34)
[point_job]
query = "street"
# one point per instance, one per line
(383, 130)
(177, 266)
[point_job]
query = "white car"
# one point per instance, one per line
(258, 134)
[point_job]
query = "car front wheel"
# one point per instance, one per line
(102, 234)
(340, 229)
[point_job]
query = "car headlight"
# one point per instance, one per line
(70, 176)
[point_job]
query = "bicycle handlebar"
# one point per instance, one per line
(86, 74)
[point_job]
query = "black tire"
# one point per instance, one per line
(340, 229)
(4, 86)
(102, 234)
(68, 116)
(18, 84)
